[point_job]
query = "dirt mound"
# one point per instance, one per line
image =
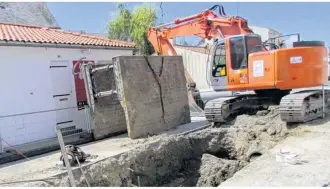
(214, 170)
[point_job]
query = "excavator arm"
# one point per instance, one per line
(205, 25)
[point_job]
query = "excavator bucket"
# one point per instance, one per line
(195, 110)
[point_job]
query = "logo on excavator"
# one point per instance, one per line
(296, 60)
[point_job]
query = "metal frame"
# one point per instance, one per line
(88, 87)
(88, 119)
(286, 36)
(272, 40)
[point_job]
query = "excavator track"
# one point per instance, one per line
(303, 106)
(223, 110)
(300, 106)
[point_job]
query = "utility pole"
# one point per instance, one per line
(162, 12)
(237, 9)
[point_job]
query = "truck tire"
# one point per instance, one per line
(308, 44)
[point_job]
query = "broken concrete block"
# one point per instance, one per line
(108, 117)
(153, 93)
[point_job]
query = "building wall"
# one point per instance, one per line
(195, 63)
(265, 33)
(36, 79)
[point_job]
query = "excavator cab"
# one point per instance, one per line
(230, 60)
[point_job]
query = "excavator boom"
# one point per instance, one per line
(205, 25)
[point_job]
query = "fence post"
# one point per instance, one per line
(65, 156)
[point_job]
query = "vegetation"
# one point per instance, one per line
(133, 26)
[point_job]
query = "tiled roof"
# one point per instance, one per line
(37, 34)
(193, 48)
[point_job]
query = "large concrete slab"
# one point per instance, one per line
(153, 93)
(108, 117)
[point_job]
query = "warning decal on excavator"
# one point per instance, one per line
(258, 68)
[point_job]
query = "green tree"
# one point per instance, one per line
(133, 26)
(119, 28)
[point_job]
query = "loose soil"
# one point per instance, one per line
(203, 158)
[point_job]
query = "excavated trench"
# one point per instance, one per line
(204, 158)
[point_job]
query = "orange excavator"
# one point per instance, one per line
(241, 61)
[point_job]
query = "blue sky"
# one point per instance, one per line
(311, 20)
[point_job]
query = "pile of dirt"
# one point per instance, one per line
(202, 158)
(215, 170)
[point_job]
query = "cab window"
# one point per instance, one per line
(253, 44)
(238, 53)
(219, 61)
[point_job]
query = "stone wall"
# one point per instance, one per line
(153, 93)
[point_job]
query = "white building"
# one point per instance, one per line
(39, 90)
(265, 33)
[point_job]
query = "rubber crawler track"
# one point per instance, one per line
(296, 107)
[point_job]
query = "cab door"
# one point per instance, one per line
(238, 61)
(218, 67)
(240, 47)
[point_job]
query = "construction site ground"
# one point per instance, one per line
(45, 165)
(309, 141)
(240, 153)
